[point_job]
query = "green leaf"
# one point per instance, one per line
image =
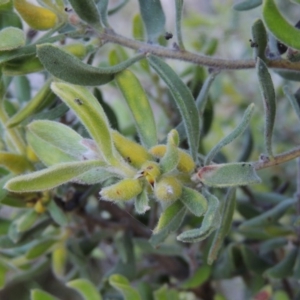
(41, 97)
(228, 175)
(247, 4)
(91, 114)
(170, 159)
(279, 27)
(3, 272)
(260, 39)
(102, 5)
(253, 261)
(41, 295)
(55, 143)
(226, 220)
(11, 38)
(271, 216)
(179, 5)
(57, 214)
(71, 69)
(23, 88)
(201, 275)
(211, 222)
(87, 11)
(51, 177)
(141, 203)
(269, 100)
(139, 105)
(272, 244)
(296, 270)
(27, 220)
(169, 221)
(138, 28)
(153, 17)
(164, 293)
(284, 268)
(85, 288)
(292, 100)
(195, 202)
(59, 257)
(41, 247)
(230, 137)
(184, 100)
(15, 163)
(122, 284)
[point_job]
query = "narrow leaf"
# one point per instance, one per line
(260, 39)
(201, 275)
(51, 177)
(179, 5)
(91, 114)
(195, 202)
(41, 295)
(153, 17)
(279, 27)
(269, 100)
(226, 220)
(139, 105)
(59, 258)
(102, 5)
(85, 288)
(71, 69)
(285, 267)
(184, 100)
(230, 137)
(11, 38)
(31, 106)
(227, 175)
(27, 220)
(122, 284)
(271, 216)
(211, 222)
(57, 214)
(170, 220)
(40, 248)
(247, 4)
(272, 244)
(87, 11)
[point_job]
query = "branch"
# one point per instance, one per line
(109, 36)
(278, 159)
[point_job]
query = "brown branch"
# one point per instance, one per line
(109, 36)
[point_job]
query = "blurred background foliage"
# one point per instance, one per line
(80, 237)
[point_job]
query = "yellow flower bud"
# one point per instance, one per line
(31, 154)
(39, 207)
(150, 171)
(168, 189)
(185, 164)
(132, 152)
(124, 190)
(36, 17)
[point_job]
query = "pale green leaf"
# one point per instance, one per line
(57, 214)
(37, 294)
(247, 4)
(195, 202)
(51, 177)
(91, 114)
(85, 288)
(41, 247)
(11, 38)
(122, 284)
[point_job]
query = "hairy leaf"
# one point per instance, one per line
(71, 69)
(139, 105)
(260, 39)
(51, 177)
(153, 17)
(11, 38)
(184, 100)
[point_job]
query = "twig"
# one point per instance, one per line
(109, 36)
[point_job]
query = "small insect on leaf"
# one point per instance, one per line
(78, 101)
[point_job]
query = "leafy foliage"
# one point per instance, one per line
(125, 175)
